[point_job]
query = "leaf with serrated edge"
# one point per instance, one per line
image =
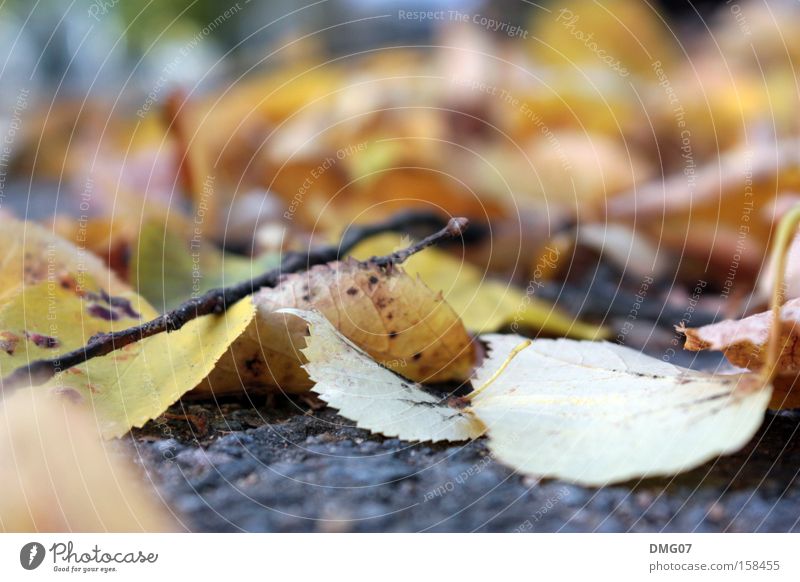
(376, 398)
(596, 413)
(587, 412)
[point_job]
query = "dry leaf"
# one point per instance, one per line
(347, 378)
(744, 343)
(59, 308)
(171, 264)
(33, 254)
(627, 250)
(588, 412)
(125, 388)
(395, 318)
(596, 413)
(45, 320)
(629, 33)
(58, 476)
(484, 304)
(137, 383)
(109, 239)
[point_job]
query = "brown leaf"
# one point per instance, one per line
(744, 343)
(395, 318)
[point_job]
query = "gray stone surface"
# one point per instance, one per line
(278, 465)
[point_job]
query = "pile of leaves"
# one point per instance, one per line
(366, 337)
(222, 274)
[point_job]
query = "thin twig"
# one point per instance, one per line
(216, 301)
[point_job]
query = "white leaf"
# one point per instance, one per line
(596, 413)
(376, 398)
(587, 412)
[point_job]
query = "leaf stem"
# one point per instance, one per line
(779, 257)
(499, 370)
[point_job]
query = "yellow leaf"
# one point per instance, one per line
(45, 320)
(484, 305)
(125, 388)
(59, 477)
(618, 35)
(59, 310)
(32, 254)
(395, 318)
(171, 264)
(137, 383)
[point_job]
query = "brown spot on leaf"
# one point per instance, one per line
(254, 365)
(68, 393)
(102, 312)
(122, 304)
(67, 281)
(8, 342)
(42, 341)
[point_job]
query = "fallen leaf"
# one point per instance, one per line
(395, 318)
(59, 477)
(137, 383)
(173, 262)
(624, 248)
(587, 412)
(102, 237)
(130, 386)
(347, 378)
(719, 220)
(483, 304)
(596, 413)
(58, 308)
(627, 32)
(49, 320)
(33, 254)
(744, 343)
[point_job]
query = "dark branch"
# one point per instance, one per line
(216, 301)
